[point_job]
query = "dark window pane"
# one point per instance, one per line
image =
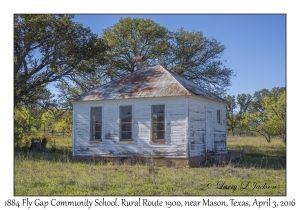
(127, 135)
(126, 122)
(96, 123)
(158, 122)
(158, 135)
(219, 116)
(158, 109)
(126, 114)
(97, 136)
(96, 111)
(98, 127)
(126, 127)
(160, 117)
(96, 114)
(160, 126)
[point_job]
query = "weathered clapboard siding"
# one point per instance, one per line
(176, 127)
(197, 126)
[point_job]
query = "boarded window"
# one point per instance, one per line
(126, 123)
(219, 116)
(158, 123)
(96, 123)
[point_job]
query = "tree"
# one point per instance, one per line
(267, 114)
(275, 107)
(231, 117)
(244, 102)
(49, 48)
(64, 123)
(51, 117)
(198, 59)
(133, 37)
(260, 124)
(82, 82)
(189, 54)
(24, 120)
(48, 120)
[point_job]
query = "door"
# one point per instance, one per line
(209, 132)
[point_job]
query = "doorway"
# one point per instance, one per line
(209, 132)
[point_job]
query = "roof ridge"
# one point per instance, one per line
(171, 73)
(152, 81)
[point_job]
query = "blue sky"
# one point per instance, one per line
(255, 44)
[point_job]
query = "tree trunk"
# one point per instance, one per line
(283, 138)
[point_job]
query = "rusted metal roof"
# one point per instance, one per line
(153, 81)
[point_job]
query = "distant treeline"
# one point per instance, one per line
(262, 113)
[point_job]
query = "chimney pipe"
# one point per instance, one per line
(138, 60)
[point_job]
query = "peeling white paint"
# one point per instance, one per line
(185, 125)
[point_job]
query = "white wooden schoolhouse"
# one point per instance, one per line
(151, 113)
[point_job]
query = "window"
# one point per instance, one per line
(96, 123)
(219, 116)
(126, 123)
(158, 123)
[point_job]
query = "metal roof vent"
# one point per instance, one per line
(138, 60)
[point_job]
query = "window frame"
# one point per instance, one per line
(120, 124)
(219, 116)
(158, 141)
(91, 124)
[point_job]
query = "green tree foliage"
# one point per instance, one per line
(25, 119)
(22, 124)
(49, 48)
(58, 120)
(48, 119)
(267, 115)
(198, 59)
(275, 108)
(231, 116)
(244, 102)
(189, 54)
(133, 37)
(64, 123)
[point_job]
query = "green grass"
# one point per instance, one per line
(54, 173)
(259, 153)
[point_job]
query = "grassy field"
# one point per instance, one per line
(261, 172)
